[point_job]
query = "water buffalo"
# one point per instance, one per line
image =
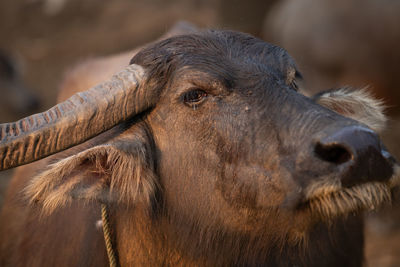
(16, 98)
(206, 155)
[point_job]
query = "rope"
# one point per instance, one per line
(111, 252)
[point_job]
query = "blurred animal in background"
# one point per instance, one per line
(16, 99)
(206, 154)
(341, 42)
(90, 72)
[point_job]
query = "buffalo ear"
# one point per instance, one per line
(358, 105)
(121, 171)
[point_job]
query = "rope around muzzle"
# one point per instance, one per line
(108, 237)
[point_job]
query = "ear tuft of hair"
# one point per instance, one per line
(358, 105)
(103, 173)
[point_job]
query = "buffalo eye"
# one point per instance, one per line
(194, 96)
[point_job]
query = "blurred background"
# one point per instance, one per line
(334, 42)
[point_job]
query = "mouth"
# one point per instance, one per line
(327, 200)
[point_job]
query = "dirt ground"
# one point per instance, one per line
(48, 37)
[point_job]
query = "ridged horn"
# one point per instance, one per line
(81, 117)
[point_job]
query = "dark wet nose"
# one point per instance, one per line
(357, 153)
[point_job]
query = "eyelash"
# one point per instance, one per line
(194, 96)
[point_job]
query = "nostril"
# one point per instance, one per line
(333, 153)
(354, 153)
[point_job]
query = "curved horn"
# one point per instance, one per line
(81, 117)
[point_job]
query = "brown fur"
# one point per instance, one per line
(336, 201)
(115, 172)
(359, 105)
(327, 200)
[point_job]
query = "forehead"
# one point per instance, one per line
(230, 54)
(223, 54)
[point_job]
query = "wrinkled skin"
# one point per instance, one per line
(232, 145)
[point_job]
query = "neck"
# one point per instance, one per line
(146, 241)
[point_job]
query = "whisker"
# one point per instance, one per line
(343, 201)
